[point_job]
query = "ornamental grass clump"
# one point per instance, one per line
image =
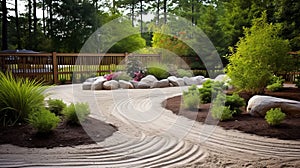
(18, 97)
(274, 116)
(76, 113)
(43, 120)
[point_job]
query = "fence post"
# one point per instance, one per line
(55, 68)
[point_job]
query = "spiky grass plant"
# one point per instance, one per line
(18, 97)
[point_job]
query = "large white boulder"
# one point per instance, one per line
(98, 84)
(149, 80)
(111, 85)
(125, 84)
(258, 105)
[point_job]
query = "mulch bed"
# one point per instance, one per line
(287, 130)
(63, 135)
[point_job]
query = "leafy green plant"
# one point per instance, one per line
(76, 113)
(274, 116)
(62, 81)
(234, 102)
(18, 97)
(208, 89)
(297, 82)
(56, 106)
(219, 110)
(275, 83)
(43, 120)
(160, 71)
(133, 66)
(191, 98)
(275, 87)
(258, 55)
(123, 76)
(182, 73)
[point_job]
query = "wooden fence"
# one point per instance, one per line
(55, 68)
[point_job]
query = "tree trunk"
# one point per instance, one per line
(141, 10)
(132, 13)
(34, 23)
(51, 19)
(158, 5)
(29, 23)
(165, 11)
(44, 21)
(17, 25)
(4, 26)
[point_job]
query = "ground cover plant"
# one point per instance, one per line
(76, 113)
(274, 116)
(56, 106)
(43, 120)
(191, 98)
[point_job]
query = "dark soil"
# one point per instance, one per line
(287, 130)
(64, 135)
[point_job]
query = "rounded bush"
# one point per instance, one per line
(56, 106)
(158, 72)
(76, 113)
(182, 73)
(43, 120)
(219, 110)
(274, 116)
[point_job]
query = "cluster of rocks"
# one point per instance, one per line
(150, 81)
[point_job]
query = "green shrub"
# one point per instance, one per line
(274, 116)
(208, 89)
(76, 113)
(43, 120)
(182, 73)
(158, 72)
(62, 80)
(123, 76)
(275, 83)
(133, 65)
(18, 97)
(219, 110)
(297, 82)
(56, 106)
(235, 102)
(274, 87)
(258, 54)
(191, 98)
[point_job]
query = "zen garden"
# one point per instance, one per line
(138, 83)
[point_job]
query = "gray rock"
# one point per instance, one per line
(142, 85)
(259, 105)
(134, 83)
(98, 84)
(149, 80)
(199, 79)
(173, 80)
(87, 85)
(91, 80)
(111, 85)
(190, 81)
(162, 83)
(180, 82)
(125, 85)
(222, 78)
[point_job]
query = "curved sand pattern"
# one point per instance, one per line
(151, 136)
